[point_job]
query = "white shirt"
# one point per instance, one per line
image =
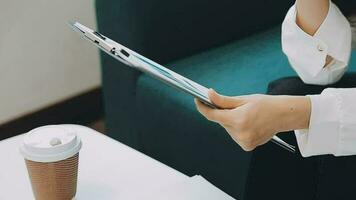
(332, 128)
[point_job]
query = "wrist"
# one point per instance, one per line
(293, 112)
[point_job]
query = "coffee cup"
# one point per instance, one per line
(51, 155)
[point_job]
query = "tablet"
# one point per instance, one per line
(143, 64)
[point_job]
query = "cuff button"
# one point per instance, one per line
(321, 48)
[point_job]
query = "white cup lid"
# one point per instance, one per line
(50, 144)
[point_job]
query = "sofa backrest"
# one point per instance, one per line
(165, 30)
(346, 6)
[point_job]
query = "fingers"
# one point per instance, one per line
(237, 129)
(215, 115)
(224, 102)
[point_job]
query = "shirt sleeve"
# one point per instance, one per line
(307, 54)
(332, 128)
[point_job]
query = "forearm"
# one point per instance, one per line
(293, 112)
(311, 14)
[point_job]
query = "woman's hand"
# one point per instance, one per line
(253, 120)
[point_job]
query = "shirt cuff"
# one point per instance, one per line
(336, 25)
(322, 135)
(307, 54)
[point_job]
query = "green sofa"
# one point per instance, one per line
(232, 46)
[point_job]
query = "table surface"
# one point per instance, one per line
(107, 170)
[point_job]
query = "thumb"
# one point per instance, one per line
(224, 102)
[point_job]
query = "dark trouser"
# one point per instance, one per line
(278, 174)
